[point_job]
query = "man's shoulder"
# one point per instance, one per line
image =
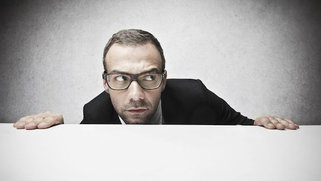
(102, 97)
(100, 111)
(184, 87)
(100, 103)
(189, 92)
(182, 82)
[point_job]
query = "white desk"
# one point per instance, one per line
(116, 152)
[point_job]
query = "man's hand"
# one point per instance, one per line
(274, 122)
(39, 121)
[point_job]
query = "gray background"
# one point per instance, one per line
(261, 56)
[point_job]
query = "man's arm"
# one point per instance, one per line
(269, 122)
(39, 121)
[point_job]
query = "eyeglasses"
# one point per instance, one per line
(121, 81)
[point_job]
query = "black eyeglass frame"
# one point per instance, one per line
(134, 77)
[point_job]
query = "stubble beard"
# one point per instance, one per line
(139, 118)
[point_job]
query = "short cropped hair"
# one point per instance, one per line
(133, 37)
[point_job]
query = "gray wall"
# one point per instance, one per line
(263, 57)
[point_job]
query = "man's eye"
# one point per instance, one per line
(149, 77)
(120, 78)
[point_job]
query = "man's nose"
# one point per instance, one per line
(135, 91)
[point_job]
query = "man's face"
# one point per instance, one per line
(134, 105)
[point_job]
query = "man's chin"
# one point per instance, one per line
(136, 120)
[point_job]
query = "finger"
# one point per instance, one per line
(279, 123)
(281, 120)
(47, 122)
(20, 124)
(289, 121)
(280, 126)
(30, 125)
(261, 121)
(289, 124)
(264, 122)
(269, 125)
(292, 124)
(50, 121)
(273, 119)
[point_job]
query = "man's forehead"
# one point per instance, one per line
(133, 57)
(116, 46)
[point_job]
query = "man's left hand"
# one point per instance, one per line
(274, 122)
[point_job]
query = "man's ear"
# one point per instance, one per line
(105, 86)
(164, 80)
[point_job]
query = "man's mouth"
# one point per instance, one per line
(137, 110)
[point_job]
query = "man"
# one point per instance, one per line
(137, 91)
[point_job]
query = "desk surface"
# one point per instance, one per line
(147, 152)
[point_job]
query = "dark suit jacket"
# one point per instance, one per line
(184, 101)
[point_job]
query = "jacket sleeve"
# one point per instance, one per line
(85, 116)
(100, 111)
(227, 115)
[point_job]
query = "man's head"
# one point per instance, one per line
(133, 37)
(134, 74)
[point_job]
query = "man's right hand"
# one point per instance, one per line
(39, 121)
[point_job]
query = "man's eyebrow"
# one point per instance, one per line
(117, 72)
(153, 70)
